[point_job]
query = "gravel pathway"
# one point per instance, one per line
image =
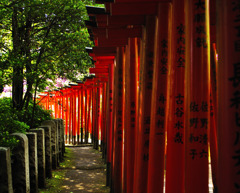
(88, 173)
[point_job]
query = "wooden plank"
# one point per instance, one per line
(98, 70)
(119, 20)
(133, 9)
(103, 42)
(104, 51)
(130, 1)
(101, 20)
(91, 10)
(117, 32)
(123, 20)
(104, 1)
(134, 31)
(105, 58)
(141, 1)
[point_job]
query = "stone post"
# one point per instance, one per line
(20, 165)
(52, 124)
(5, 171)
(48, 150)
(33, 161)
(57, 140)
(41, 156)
(63, 134)
(62, 137)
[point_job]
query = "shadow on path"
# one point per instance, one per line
(88, 173)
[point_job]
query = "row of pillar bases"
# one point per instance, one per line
(165, 96)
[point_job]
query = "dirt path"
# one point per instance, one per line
(88, 173)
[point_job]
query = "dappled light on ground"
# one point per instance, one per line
(88, 173)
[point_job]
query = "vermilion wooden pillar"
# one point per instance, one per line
(58, 102)
(104, 90)
(63, 105)
(176, 119)
(87, 115)
(145, 93)
(50, 102)
(213, 117)
(82, 112)
(228, 48)
(110, 124)
(47, 101)
(124, 152)
(93, 114)
(67, 119)
(213, 97)
(55, 104)
(73, 116)
(97, 123)
(60, 105)
(79, 114)
(43, 101)
(197, 96)
(95, 134)
(100, 116)
(105, 105)
(107, 122)
(159, 100)
(70, 115)
(131, 75)
(126, 126)
(118, 128)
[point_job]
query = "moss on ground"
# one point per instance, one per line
(55, 183)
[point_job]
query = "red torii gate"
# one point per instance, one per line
(153, 77)
(189, 102)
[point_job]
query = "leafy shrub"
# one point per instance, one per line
(34, 120)
(9, 123)
(12, 121)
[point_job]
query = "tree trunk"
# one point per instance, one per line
(30, 78)
(17, 82)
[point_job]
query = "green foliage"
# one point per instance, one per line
(9, 120)
(9, 123)
(12, 121)
(34, 120)
(42, 40)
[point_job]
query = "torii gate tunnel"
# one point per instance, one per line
(164, 101)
